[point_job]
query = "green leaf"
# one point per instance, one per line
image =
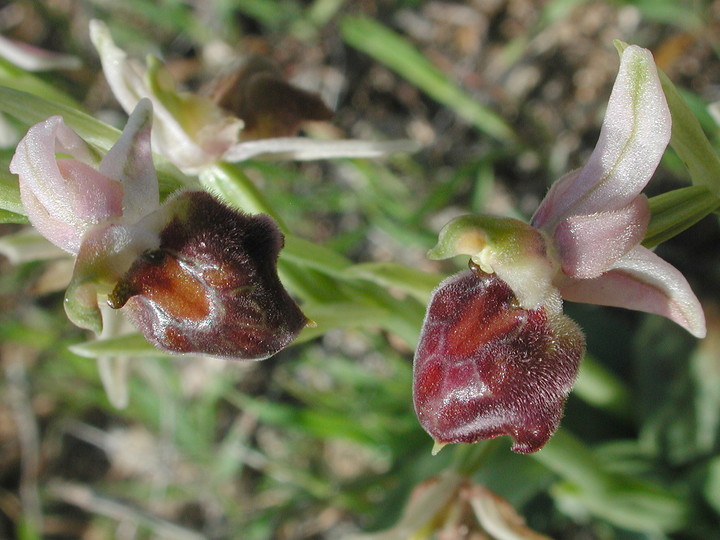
(31, 109)
(397, 276)
(690, 142)
(318, 423)
(12, 76)
(272, 13)
(624, 500)
(10, 193)
(597, 386)
(677, 210)
(228, 181)
(133, 345)
(397, 53)
(678, 14)
(311, 255)
(340, 315)
(7, 216)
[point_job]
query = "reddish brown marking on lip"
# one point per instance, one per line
(177, 291)
(175, 340)
(223, 277)
(475, 326)
(212, 285)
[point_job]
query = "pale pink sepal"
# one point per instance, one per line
(589, 244)
(130, 161)
(305, 149)
(62, 197)
(642, 281)
(634, 135)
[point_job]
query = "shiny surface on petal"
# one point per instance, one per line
(212, 286)
(634, 135)
(590, 244)
(164, 281)
(485, 367)
(644, 282)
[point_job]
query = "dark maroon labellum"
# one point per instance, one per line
(212, 286)
(486, 367)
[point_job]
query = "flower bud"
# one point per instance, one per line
(486, 367)
(211, 287)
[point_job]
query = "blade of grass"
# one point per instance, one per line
(677, 210)
(626, 501)
(133, 345)
(397, 53)
(404, 278)
(19, 79)
(7, 216)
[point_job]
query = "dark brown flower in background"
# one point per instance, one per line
(270, 107)
(212, 285)
(486, 367)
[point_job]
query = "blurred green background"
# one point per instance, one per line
(321, 440)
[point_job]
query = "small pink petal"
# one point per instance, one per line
(130, 161)
(62, 198)
(644, 282)
(63, 235)
(94, 197)
(634, 135)
(590, 244)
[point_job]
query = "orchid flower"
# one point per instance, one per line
(194, 132)
(496, 355)
(196, 276)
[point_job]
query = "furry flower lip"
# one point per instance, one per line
(211, 286)
(194, 275)
(496, 354)
(486, 367)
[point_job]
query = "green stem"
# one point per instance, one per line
(468, 458)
